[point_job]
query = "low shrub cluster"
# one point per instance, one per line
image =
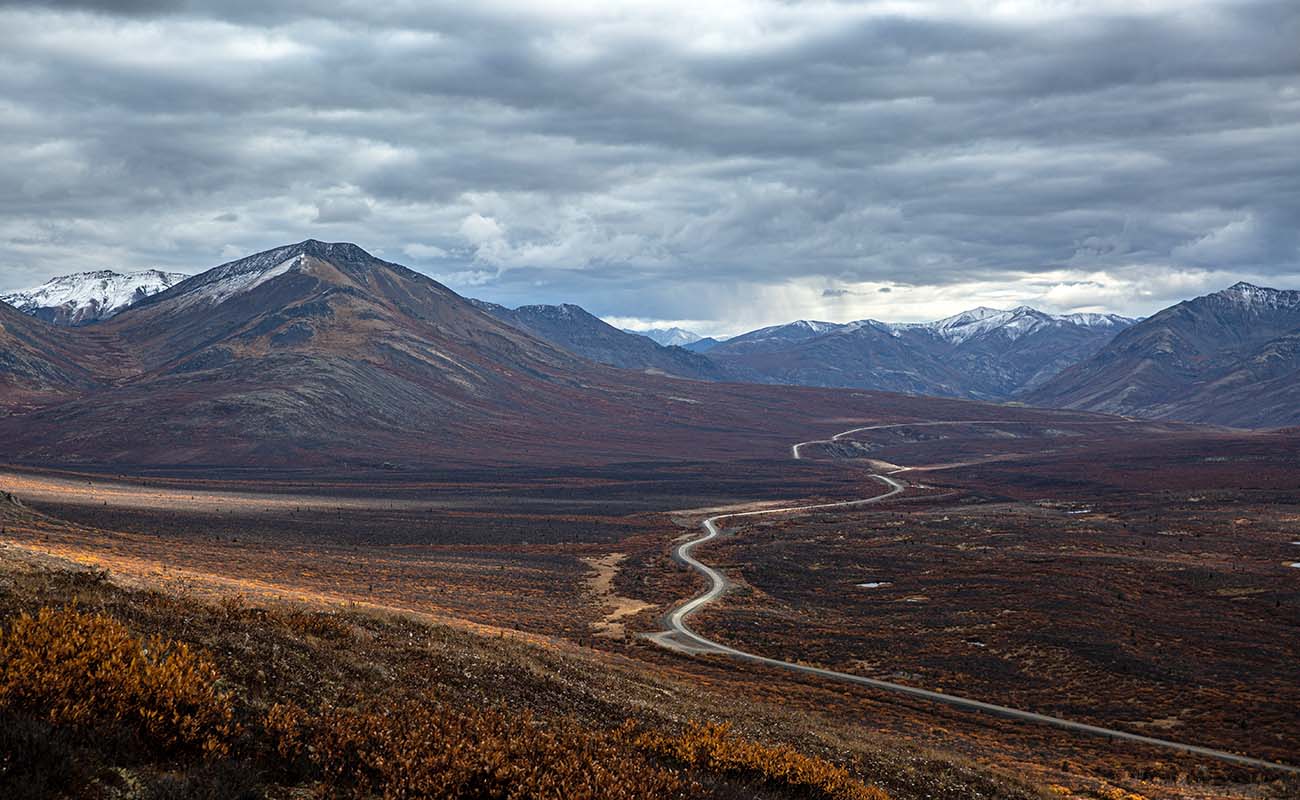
(67, 676)
(429, 750)
(715, 750)
(319, 624)
(74, 669)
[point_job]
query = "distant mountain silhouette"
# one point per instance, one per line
(584, 334)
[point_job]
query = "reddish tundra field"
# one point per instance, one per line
(1130, 575)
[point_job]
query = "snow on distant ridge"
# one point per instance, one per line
(90, 296)
(668, 337)
(1013, 323)
(1097, 320)
(800, 328)
(560, 311)
(814, 325)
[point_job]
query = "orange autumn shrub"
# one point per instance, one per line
(714, 749)
(429, 750)
(76, 669)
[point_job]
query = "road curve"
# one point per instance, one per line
(679, 635)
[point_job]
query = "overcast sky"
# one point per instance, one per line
(722, 164)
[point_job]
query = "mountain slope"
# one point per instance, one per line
(577, 331)
(775, 337)
(87, 297)
(1231, 358)
(41, 363)
(702, 345)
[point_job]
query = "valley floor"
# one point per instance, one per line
(1024, 567)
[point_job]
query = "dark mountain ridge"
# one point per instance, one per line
(1230, 358)
(582, 333)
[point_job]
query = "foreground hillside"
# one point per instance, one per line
(231, 699)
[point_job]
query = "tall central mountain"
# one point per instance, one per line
(320, 353)
(89, 296)
(298, 347)
(1231, 357)
(984, 353)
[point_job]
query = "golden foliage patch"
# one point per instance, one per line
(715, 749)
(77, 669)
(428, 750)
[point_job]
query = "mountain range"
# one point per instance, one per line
(984, 353)
(980, 354)
(1227, 358)
(319, 353)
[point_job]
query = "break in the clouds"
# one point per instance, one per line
(729, 164)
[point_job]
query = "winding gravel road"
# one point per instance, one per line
(680, 637)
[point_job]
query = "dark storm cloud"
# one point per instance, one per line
(758, 161)
(127, 7)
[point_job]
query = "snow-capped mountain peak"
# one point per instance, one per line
(964, 326)
(814, 326)
(223, 282)
(1248, 294)
(976, 322)
(237, 277)
(86, 297)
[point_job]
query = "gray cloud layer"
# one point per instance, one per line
(745, 162)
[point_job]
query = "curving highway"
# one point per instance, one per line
(680, 637)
